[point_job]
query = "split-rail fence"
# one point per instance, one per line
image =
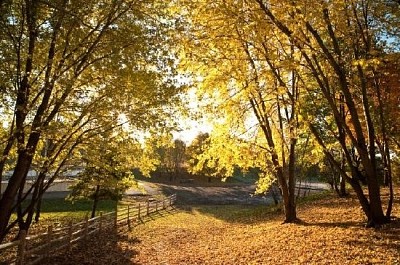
(32, 249)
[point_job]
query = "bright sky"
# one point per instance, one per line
(194, 128)
(191, 128)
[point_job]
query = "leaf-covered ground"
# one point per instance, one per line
(331, 232)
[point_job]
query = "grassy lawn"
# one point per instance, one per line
(61, 205)
(59, 212)
(331, 231)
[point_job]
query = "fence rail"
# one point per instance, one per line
(33, 249)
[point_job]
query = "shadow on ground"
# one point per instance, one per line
(111, 247)
(114, 246)
(156, 215)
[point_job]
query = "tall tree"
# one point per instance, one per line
(250, 75)
(73, 67)
(265, 51)
(339, 43)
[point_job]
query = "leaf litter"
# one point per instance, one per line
(331, 231)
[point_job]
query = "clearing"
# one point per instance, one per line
(331, 232)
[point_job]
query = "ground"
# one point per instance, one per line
(198, 191)
(331, 231)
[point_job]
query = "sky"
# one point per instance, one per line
(193, 127)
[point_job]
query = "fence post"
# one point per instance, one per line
(70, 235)
(156, 206)
(101, 222)
(129, 222)
(138, 213)
(170, 200)
(48, 239)
(148, 207)
(163, 204)
(86, 226)
(21, 248)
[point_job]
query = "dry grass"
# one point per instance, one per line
(331, 232)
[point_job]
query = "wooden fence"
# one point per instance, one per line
(33, 249)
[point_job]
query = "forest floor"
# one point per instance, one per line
(331, 231)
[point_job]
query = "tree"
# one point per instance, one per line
(70, 70)
(178, 154)
(339, 43)
(283, 58)
(255, 87)
(108, 169)
(196, 164)
(171, 155)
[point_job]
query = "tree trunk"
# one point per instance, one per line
(275, 193)
(9, 195)
(371, 206)
(290, 212)
(95, 201)
(377, 216)
(287, 197)
(38, 209)
(39, 201)
(391, 197)
(33, 204)
(342, 189)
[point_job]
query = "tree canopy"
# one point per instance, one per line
(71, 70)
(288, 85)
(284, 70)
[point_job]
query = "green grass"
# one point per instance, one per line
(61, 205)
(62, 211)
(314, 197)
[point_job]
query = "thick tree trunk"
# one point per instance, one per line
(372, 206)
(377, 215)
(9, 195)
(288, 197)
(290, 212)
(361, 197)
